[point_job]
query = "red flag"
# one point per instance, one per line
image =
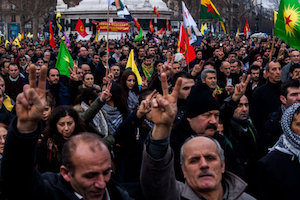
(171, 29)
(246, 29)
(151, 27)
(184, 46)
(160, 32)
(155, 11)
(51, 38)
(165, 32)
(137, 24)
(167, 24)
(80, 28)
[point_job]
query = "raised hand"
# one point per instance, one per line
(240, 88)
(30, 103)
(73, 73)
(145, 106)
(106, 93)
(164, 109)
(167, 66)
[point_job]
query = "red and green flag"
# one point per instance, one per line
(209, 11)
(288, 23)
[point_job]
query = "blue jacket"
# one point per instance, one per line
(64, 94)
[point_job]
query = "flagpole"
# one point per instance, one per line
(187, 51)
(107, 53)
(273, 41)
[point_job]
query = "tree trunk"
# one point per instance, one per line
(35, 27)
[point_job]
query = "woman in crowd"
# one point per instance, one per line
(88, 82)
(88, 105)
(63, 122)
(115, 107)
(130, 90)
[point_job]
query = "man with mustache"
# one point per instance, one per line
(202, 158)
(202, 117)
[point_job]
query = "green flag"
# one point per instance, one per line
(64, 60)
(209, 11)
(288, 23)
(139, 37)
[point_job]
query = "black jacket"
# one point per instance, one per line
(18, 167)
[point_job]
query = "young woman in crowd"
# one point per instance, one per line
(89, 104)
(88, 82)
(115, 107)
(63, 122)
(130, 90)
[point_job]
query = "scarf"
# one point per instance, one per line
(99, 121)
(132, 101)
(148, 70)
(114, 117)
(289, 142)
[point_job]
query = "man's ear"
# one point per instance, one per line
(223, 167)
(282, 99)
(66, 174)
(183, 170)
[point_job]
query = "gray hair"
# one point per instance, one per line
(220, 150)
(205, 71)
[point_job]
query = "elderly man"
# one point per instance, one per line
(295, 59)
(86, 169)
(278, 172)
(202, 160)
(83, 57)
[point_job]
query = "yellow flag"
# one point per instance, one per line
(97, 35)
(16, 42)
(237, 32)
(19, 36)
(132, 66)
(58, 14)
(275, 17)
(6, 43)
(29, 35)
(23, 35)
(202, 29)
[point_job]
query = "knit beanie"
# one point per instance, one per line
(200, 100)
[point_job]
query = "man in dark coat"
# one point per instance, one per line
(86, 169)
(265, 100)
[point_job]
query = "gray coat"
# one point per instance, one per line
(158, 181)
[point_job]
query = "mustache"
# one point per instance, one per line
(205, 173)
(209, 126)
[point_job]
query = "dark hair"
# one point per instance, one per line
(182, 74)
(87, 95)
(144, 94)
(4, 126)
(283, 89)
(48, 71)
(293, 67)
(50, 100)
(119, 101)
(91, 139)
(87, 74)
(253, 67)
(123, 81)
(212, 63)
(59, 112)
(147, 57)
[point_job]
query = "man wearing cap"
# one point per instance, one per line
(116, 56)
(202, 117)
(202, 160)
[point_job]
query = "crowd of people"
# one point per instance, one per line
(222, 126)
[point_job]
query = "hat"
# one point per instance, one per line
(117, 46)
(200, 101)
